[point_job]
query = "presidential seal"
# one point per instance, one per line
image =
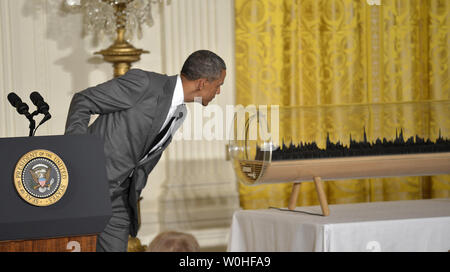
(41, 177)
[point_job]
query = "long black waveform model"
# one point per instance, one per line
(399, 145)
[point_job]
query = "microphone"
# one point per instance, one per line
(39, 102)
(42, 107)
(22, 108)
(17, 103)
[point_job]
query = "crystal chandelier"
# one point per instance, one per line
(103, 17)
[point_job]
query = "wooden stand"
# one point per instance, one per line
(258, 172)
(63, 244)
(322, 197)
(294, 196)
(320, 193)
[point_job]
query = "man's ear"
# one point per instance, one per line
(201, 83)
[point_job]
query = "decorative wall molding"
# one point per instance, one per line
(6, 116)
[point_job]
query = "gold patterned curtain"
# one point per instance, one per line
(326, 53)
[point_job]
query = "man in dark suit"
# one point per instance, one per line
(138, 114)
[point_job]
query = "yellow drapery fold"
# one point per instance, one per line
(336, 52)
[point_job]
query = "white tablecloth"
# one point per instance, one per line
(415, 225)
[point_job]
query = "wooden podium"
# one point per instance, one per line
(65, 244)
(54, 194)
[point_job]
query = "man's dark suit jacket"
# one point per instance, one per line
(132, 108)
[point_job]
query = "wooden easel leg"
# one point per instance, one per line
(294, 195)
(322, 197)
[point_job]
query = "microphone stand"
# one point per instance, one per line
(32, 123)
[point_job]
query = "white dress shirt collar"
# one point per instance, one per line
(178, 94)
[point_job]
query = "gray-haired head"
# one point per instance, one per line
(203, 64)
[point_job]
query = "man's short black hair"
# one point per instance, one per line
(203, 64)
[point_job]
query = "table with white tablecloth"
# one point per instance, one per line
(412, 225)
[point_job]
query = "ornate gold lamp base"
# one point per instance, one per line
(121, 54)
(134, 245)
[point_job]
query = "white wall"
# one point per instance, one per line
(43, 49)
